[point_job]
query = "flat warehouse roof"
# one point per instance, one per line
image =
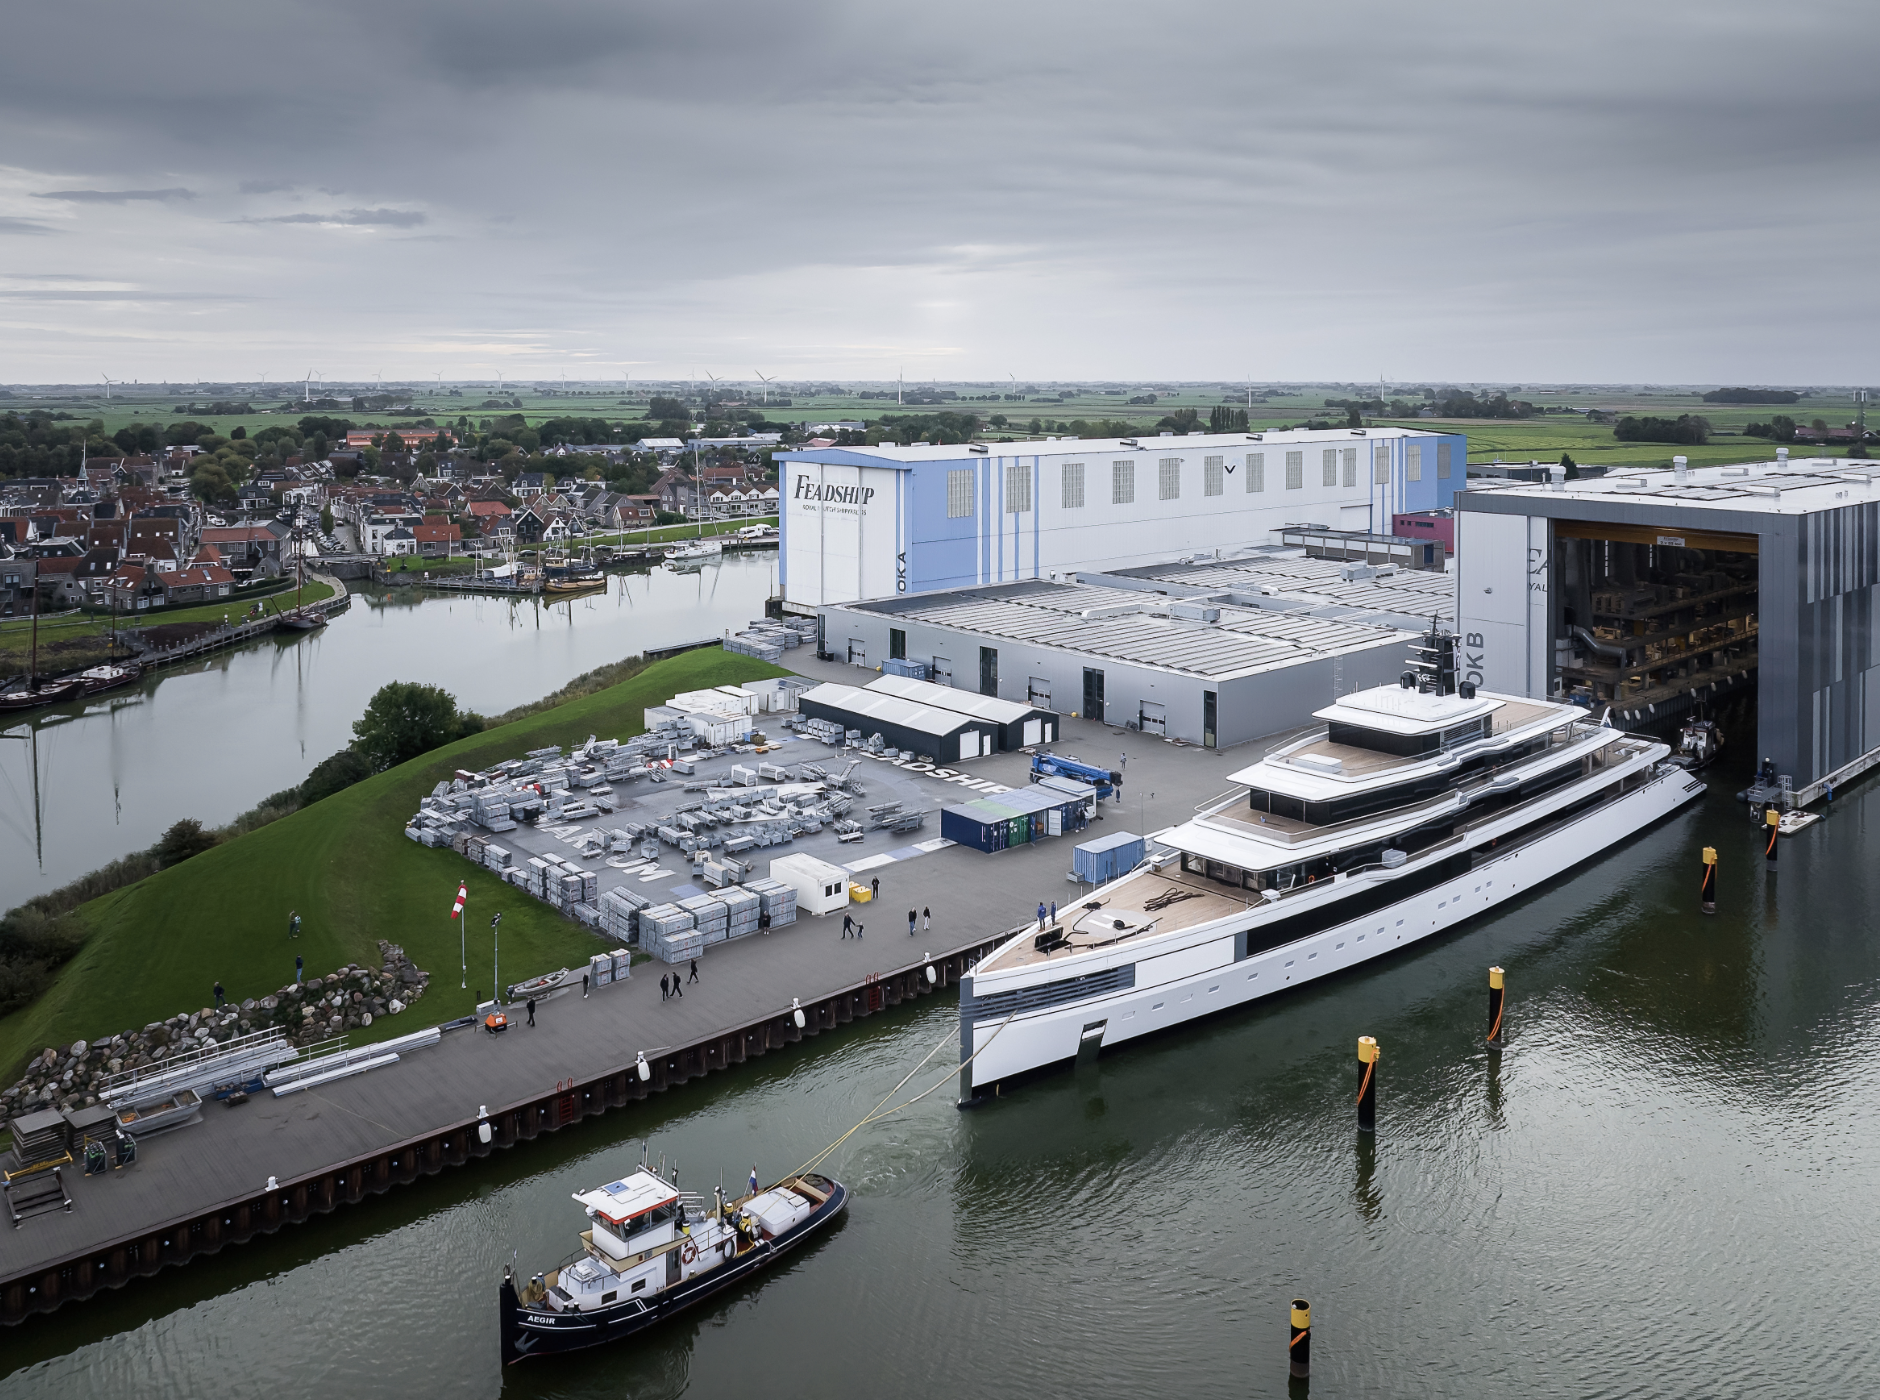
(1149, 445)
(886, 709)
(964, 702)
(1800, 486)
(1245, 641)
(1288, 574)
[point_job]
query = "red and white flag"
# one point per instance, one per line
(463, 893)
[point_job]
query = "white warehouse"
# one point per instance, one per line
(877, 522)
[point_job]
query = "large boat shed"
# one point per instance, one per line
(1019, 725)
(945, 736)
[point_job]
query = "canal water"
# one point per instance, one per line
(83, 784)
(1665, 1186)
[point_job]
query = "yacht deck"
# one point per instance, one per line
(1195, 900)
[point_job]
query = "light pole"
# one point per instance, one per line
(496, 955)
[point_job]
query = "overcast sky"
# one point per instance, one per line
(1665, 191)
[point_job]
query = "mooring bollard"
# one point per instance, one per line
(1299, 1349)
(1368, 1054)
(1710, 880)
(1772, 819)
(1497, 994)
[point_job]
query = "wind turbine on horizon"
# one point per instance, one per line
(107, 384)
(767, 378)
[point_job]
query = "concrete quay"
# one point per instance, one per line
(202, 1187)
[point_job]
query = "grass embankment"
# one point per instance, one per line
(74, 640)
(158, 947)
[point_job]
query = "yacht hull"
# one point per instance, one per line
(1200, 975)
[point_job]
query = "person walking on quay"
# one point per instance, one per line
(694, 976)
(848, 925)
(293, 924)
(926, 916)
(874, 888)
(663, 993)
(912, 919)
(531, 1010)
(675, 983)
(220, 996)
(584, 986)
(300, 969)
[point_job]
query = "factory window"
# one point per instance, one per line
(1351, 466)
(1169, 478)
(1017, 488)
(1122, 483)
(959, 495)
(1072, 497)
(1328, 467)
(1413, 461)
(1213, 476)
(1295, 470)
(897, 644)
(1442, 459)
(1380, 464)
(1256, 472)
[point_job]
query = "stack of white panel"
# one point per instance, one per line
(776, 899)
(741, 910)
(710, 915)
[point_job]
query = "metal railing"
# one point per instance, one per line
(242, 1058)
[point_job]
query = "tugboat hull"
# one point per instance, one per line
(536, 1332)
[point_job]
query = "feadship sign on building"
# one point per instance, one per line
(870, 522)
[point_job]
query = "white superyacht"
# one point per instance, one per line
(1418, 806)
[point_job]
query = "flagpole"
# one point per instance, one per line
(496, 963)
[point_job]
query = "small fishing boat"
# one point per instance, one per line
(28, 697)
(113, 676)
(303, 620)
(653, 1251)
(696, 551)
(535, 986)
(1699, 744)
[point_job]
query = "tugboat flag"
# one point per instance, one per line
(463, 893)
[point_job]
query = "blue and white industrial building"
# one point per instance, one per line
(877, 522)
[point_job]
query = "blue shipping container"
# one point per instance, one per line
(913, 670)
(1107, 857)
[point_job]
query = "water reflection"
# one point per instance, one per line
(83, 784)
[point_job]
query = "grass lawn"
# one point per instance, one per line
(67, 641)
(157, 947)
(406, 564)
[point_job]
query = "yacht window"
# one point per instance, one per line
(609, 1296)
(638, 1284)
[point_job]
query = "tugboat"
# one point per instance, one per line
(1699, 743)
(652, 1251)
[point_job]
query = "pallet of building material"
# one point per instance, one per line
(495, 857)
(601, 970)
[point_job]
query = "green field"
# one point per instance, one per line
(1518, 440)
(345, 864)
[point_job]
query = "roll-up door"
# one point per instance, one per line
(1152, 718)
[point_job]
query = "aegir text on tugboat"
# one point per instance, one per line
(653, 1250)
(1420, 805)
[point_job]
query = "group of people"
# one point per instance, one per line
(669, 985)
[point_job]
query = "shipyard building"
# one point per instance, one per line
(1214, 651)
(1652, 592)
(882, 522)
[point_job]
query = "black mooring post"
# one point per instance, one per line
(1710, 880)
(1368, 1055)
(1497, 994)
(1772, 819)
(1299, 1349)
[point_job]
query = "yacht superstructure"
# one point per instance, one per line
(1418, 806)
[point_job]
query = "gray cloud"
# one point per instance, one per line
(362, 218)
(10, 225)
(115, 196)
(1459, 192)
